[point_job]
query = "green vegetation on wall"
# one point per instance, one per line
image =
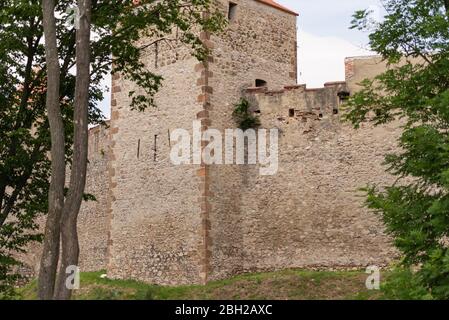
(244, 118)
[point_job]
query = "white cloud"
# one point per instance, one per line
(321, 59)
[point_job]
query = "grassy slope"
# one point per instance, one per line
(288, 284)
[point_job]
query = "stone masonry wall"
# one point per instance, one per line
(155, 207)
(367, 67)
(93, 222)
(164, 217)
(310, 213)
(260, 43)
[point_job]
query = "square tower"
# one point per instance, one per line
(180, 224)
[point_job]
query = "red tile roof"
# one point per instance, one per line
(273, 4)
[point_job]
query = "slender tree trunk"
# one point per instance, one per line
(446, 5)
(69, 236)
(50, 254)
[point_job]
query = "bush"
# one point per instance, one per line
(243, 116)
(403, 284)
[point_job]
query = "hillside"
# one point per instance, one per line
(281, 285)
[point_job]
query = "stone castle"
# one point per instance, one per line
(189, 224)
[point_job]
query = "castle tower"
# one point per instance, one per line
(174, 224)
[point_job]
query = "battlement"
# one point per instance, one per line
(298, 101)
(99, 141)
(300, 87)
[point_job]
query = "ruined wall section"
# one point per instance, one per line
(358, 69)
(259, 43)
(93, 223)
(368, 67)
(310, 214)
(155, 207)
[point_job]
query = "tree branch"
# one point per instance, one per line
(168, 40)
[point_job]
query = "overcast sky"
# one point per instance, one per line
(324, 39)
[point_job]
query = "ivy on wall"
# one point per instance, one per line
(243, 117)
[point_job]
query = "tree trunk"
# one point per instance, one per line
(69, 236)
(50, 254)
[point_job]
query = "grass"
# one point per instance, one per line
(281, 285)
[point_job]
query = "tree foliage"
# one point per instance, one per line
(24, 129)
(414, 41)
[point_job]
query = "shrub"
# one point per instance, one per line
(244, 117)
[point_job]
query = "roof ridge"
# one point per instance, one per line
(276, 5)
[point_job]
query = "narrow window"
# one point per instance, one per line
(156, 55)
(335, 110)
(155, 148)
(320, 115)
(291, 113)
(169, 141)
(138, 149)
(232, 11)
(261, 83)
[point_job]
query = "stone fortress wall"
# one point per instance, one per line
(310, 213)
(93, 220)
(155, 214)
(259, 45)
(167, 224)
